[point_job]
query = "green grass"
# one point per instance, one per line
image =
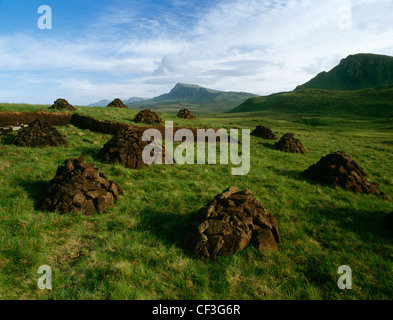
(135, 250)
(25, 107)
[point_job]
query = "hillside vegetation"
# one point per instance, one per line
(376, 102)
(356, 72)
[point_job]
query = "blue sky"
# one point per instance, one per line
(107, 49)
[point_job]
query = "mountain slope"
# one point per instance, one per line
(101, 103)
(134, 99)
(356, 72)
(196, 98)
(105, 102)
(375, 102)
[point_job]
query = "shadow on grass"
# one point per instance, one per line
(7, 138)
(292, 174)
(268, 145)
(371, 226)
(88, 151)
(36, 190)
(170, 228)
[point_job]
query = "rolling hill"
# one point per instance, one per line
(356, 72)
(196, 98)
(375, 102)
(360, 85)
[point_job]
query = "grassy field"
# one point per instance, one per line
(135, 250)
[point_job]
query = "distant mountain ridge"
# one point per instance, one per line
(101, 103)
(134, 99)
(356, 72)
(105, 102)
(196, 98)
(187, 92)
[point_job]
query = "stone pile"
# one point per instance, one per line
(288, 143)
(264, 133)
(39, 134)
(62, 104)
(148, 117)
(186, 114)
(340, 169)
(78, 187)
(126, 148)
(230, 223)
(117, 103)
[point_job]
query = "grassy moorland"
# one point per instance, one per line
(135, 250)
(373, 102)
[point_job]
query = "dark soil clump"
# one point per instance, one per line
(126, 148)
(117, 103)
(78, 187)
(340, 169)
(39, 134)
(62, 104)
(186, 114)
(230, 223)
(264, 133)
(289, 144)
(148, 117)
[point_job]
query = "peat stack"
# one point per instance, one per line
(62, 104)
(264, 133)
(117, 103)
(126, 148)
(186, 114)
(79, 187)
(231, 222)
(39, 134)
(289, 144)
(148, 117)
(340, 169)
